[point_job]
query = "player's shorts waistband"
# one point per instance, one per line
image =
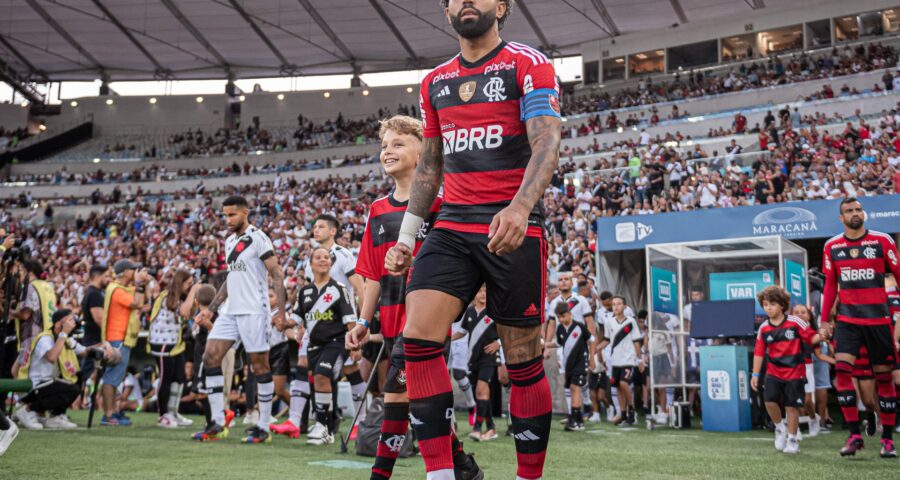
(482, 228)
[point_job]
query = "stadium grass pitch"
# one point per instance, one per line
(603, 451)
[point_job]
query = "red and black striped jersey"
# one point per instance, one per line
(479, 111)
(784, 345)
(893, 295)
(854, 274)
(382, 230)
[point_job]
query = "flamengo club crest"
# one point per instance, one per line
(854, 252)
(467, 91)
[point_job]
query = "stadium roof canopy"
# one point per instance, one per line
(62, 40)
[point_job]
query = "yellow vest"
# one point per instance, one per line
(154, 312)
(134, 322)
(67, 360)
(47, 301)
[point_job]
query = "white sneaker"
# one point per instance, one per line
(60, 422)
(7, 437)
(167, 421)
(595, 417)
(780, 438)
(183, 421)
(799, 435)
(251, 418)
(28, 419)
(814, 426)
(319, 435)
(793, 445)
(662, 419)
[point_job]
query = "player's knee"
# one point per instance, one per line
(520, 344)
(396, 397)
(211, 359)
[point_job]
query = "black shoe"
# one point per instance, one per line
(871, 425)
(468, 470)
(571, 426)
(257, 435)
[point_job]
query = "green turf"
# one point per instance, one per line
(147, 452)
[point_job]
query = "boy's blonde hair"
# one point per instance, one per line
(402, 124)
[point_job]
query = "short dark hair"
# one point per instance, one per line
(561, 309)
(96, 270)
(775, 294)
(331, 219)
(583, 283)
(845, 202)
(642, 314)
(236, 201)
(605, 295)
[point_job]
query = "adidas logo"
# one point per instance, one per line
(415, 421)
(444, 92)
(531, 311)
(381, 230)
(526, 436)
(307, 299)
(841, 254)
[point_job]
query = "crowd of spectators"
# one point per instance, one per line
(771, 71)
(10, 137)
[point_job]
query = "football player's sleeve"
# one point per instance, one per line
(367, 264)
(265, 249)
(348, 262)
(890, 255)
(430, 125)
(345, 310)
(540, 90)
(759, 350)
(829, 293)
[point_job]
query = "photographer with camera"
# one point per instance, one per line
(51, 363)
(125, 297)
(92, 315)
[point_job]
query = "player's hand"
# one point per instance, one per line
(754, 383)
(398, 260)
(69, 324)
(356, 338)
(507, 230)
(204, 318)
(592, 364)
(547, 354)
(641, 366)
(492, 347)
(355, 355)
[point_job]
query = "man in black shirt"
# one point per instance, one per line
(92, 315)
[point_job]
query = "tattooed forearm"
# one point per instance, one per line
(277, 274)
(429, 175)
(543, 135)
(220, 297)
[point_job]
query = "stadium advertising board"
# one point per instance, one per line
(792, 220)
(665, 290)
(795, 282)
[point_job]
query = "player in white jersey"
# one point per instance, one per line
(343, 271)
(624, 337)
(244, 317)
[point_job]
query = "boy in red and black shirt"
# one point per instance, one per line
(780, 341)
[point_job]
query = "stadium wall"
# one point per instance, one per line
(13, 116)
(797, 13)
(174, 113)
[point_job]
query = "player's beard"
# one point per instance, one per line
(855, 223)
(473, 29)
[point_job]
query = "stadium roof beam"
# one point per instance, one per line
(607, 18)
(545, 44)
(393, 28)
(22, 58)
(755, 4)
(16, 80)
(160, 70)
(186, 23)
(63, 33)
(676, 5)
(285, 65)
(327, 30)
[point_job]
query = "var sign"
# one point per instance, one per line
(740, 291)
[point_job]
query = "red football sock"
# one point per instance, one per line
(846, 395)
(530, 408)
(430, 400)
(393, 432)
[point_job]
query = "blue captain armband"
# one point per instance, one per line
(540, 102)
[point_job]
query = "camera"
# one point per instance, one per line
(96, 354)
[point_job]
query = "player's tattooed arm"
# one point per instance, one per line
(220, 297)
(544, 136)
(428, 179)
(277, 275)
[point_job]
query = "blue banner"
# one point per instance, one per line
(795, 282)
(812, 219)
(740, 285)
(665, 290)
